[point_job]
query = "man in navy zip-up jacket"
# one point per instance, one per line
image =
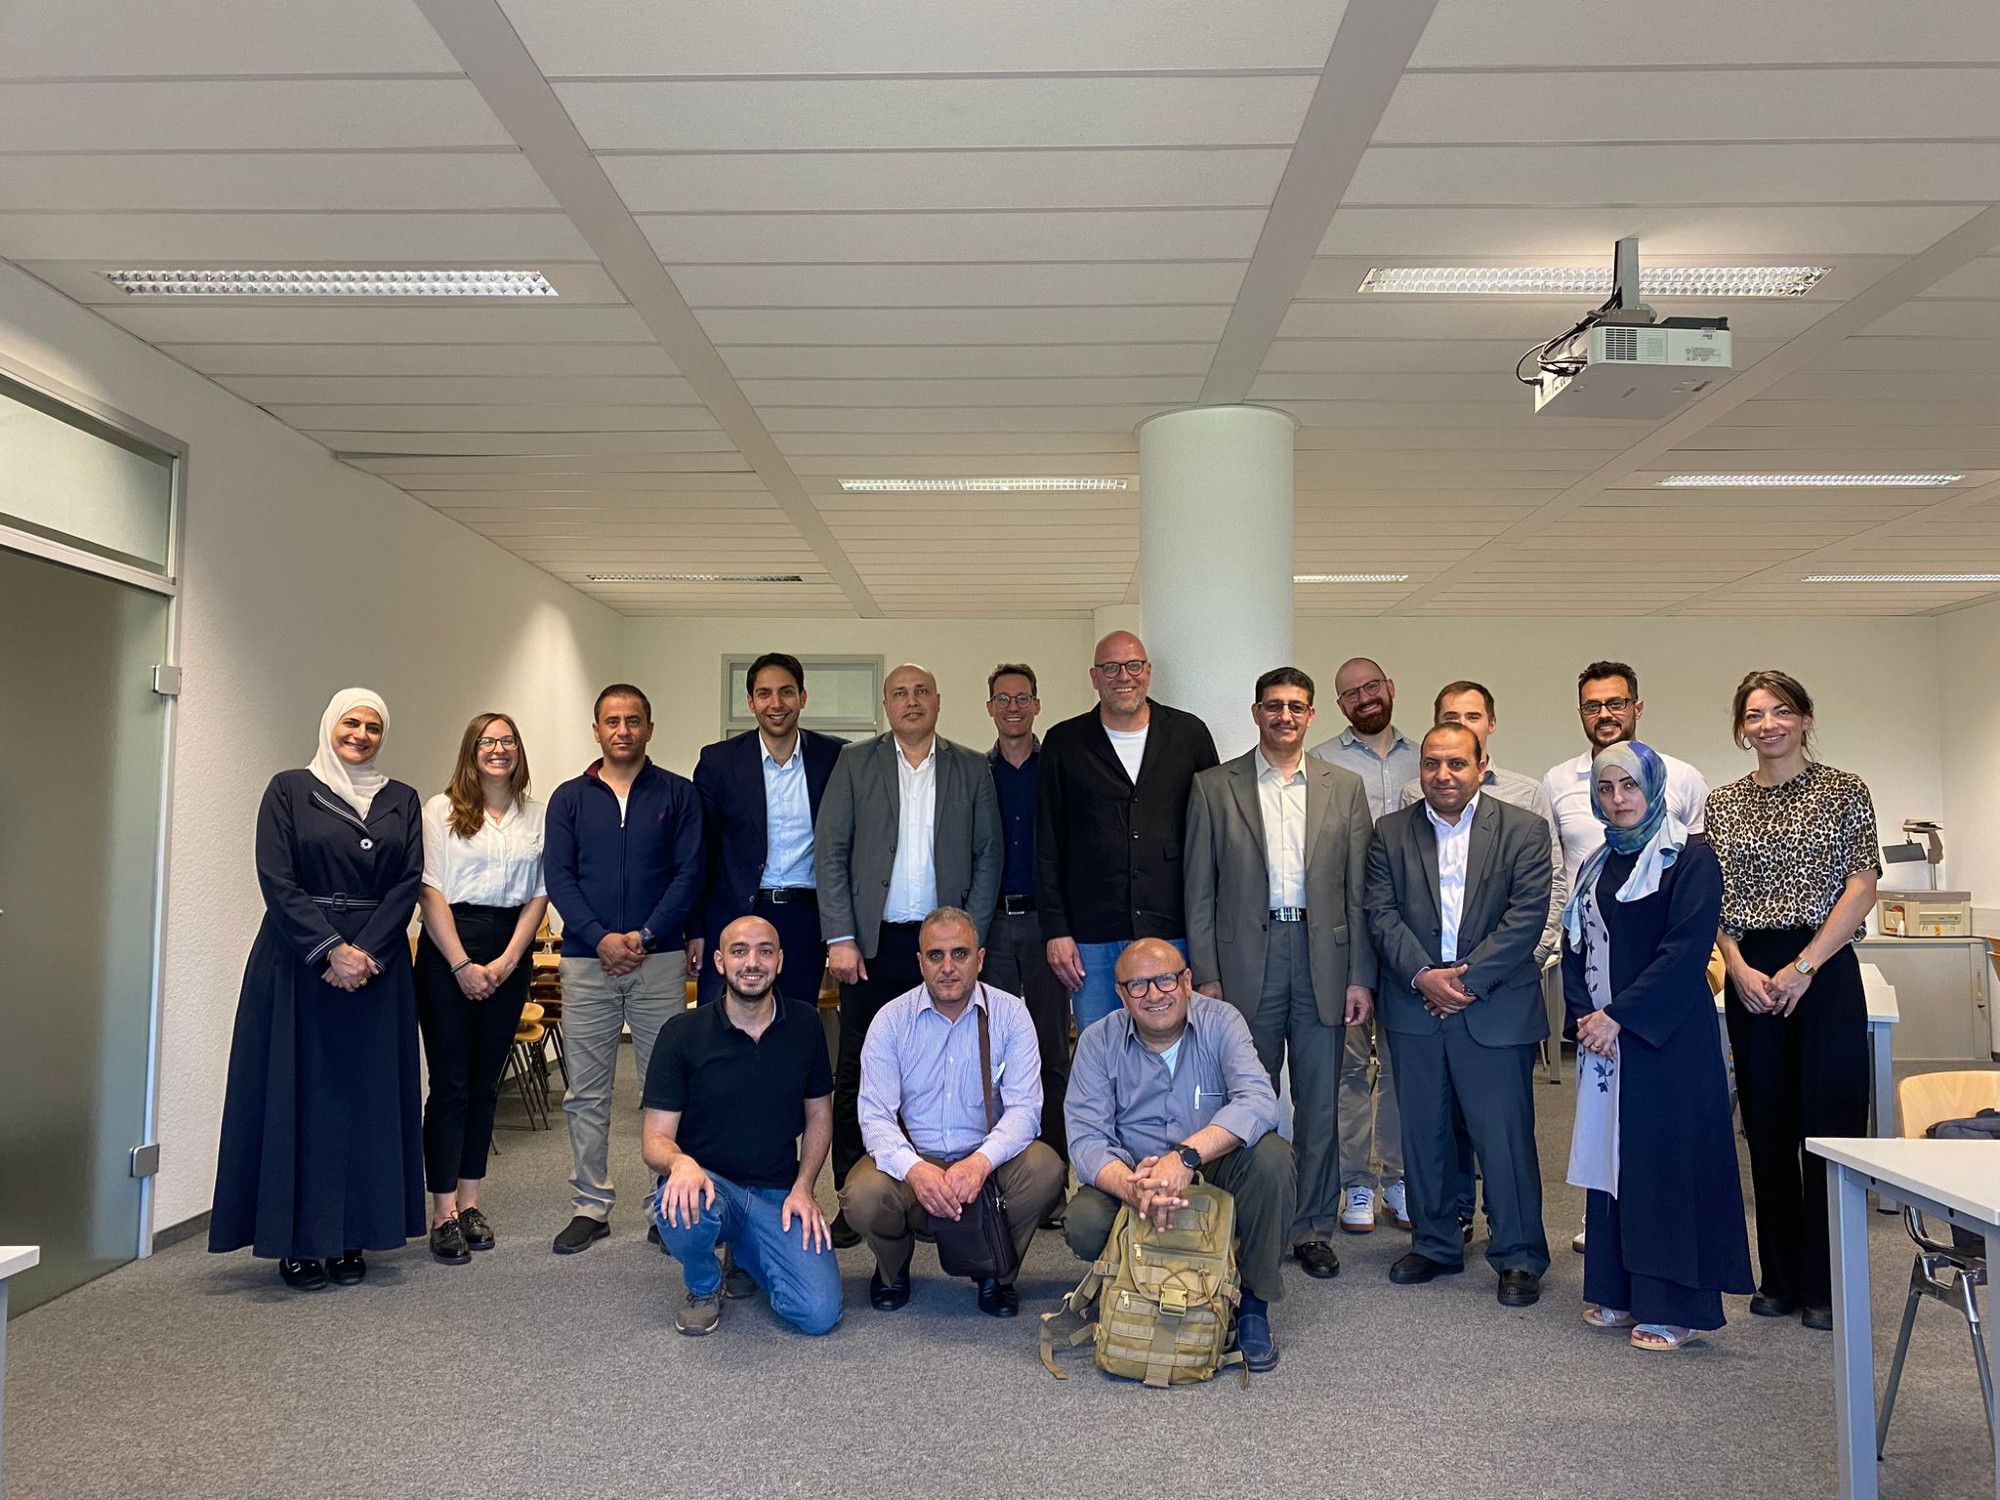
(623, 863)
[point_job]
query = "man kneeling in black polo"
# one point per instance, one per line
(730, 1089)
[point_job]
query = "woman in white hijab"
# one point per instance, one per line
(322, 1146)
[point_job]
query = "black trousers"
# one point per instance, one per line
(1017, 961)
(797, 922)
(891, 972)
(465, 1045)
(1798, 1075)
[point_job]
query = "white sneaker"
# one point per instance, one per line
(1357, 1213)
(1396, 1198)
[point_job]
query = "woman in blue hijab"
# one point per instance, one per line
(1653, 1145)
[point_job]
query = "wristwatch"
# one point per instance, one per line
(1808, 969)
(1190, 1158)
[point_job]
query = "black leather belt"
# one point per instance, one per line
(340, 902)
(788, 895)
(1018, 906)
(1288, 914)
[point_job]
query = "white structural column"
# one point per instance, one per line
(1215, 559)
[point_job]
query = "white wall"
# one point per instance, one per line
(301, 576)
(1968, 651)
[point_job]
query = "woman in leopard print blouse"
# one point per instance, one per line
(1799, 865)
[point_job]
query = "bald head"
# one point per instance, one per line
(1122, 676)
(1365, 694)
(910, 696)
(1156, 969)
(748, 957)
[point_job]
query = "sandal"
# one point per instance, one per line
(1606, 1317)
(1660, 1336)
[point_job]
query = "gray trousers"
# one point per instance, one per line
(1371, 1127)
(596, 1008)
(1286, 1022)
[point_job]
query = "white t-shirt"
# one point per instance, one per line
(1172, 1056)
(500, 865)
(1131, 747)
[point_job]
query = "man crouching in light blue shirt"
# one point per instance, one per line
(931, 1143)
(1169, 1088)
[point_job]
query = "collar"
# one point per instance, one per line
(995, 758)
(927, 1002)
(721, 1003)
(595, 770)
(1447, 830)
(1265, 768)
(1352, 741)
(896, 749)
(764, 751)
(1193, 1027)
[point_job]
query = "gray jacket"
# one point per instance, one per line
(854, 838)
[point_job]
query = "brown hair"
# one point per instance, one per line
(466, 793)
(1013, 669)
(1463, 685)
(1786, 688)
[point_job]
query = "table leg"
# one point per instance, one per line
(1854, 1328)
(3, 1382)
(1882, 1095)
(1993, 1354)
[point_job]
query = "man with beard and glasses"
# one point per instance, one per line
(1370, 1129)
(731, 1089)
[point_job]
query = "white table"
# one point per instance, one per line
(14, 1259)
(1957, 1181)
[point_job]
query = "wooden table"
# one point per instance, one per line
(1957, 1181)
(14, 1259)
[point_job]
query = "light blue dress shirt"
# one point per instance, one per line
(1382, 777)
(925, 1069)
(788, 824)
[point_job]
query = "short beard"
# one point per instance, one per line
(745, 997)
(1376, 722)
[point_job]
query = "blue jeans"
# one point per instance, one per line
(803, 1285)
(1099, 996)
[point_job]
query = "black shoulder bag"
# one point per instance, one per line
(978, 1243)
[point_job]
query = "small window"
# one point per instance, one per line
(843, 694)
(68, 478)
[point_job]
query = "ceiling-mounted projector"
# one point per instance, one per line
(1621, 361)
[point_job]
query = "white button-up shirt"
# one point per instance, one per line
(913, 877)
(500, 865)
(1569, 791)
(788, 824)
(1282, 800)
(1454, 844)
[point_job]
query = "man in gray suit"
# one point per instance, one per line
(1457, 894)
(909, 823)
(1277, 851)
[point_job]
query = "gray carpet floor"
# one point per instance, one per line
(528, 1375)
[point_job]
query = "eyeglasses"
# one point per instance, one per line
(1123, 668)
(1012, 700)
(1164, 984)
(1277, 708)
(1373, 685)
(503, 742)
(1591, 708)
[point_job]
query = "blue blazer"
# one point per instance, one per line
(730, 778)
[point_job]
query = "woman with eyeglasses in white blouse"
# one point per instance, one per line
(482, 902)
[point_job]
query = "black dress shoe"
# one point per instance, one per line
(1055, 1218)
(997, 1299)
(887, 1296)
(845, 1236)
(1766, 1305)
(1519, 1289)
(478, 1233)
(653, 1234)
(303, 1275)
(347, 1270)
(448, 1243)
(580, 1233)
(1414, 1269)
(1318, 1259)
(1820, 1318)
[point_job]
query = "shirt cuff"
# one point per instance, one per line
(999, 1148)
(898, 1161)
(846, 937)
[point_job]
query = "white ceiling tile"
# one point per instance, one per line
(1941, 319)
(1819, 414)
(373, 324)
(824, 452)
(659, 463)
(632, 37)
(1169, 390)
(1663, 229)
(1889, 385)
(346, 440)
(962, 284)
(1139, 234)
(1674, 105)
(108, 38)
(973, 325)
(499, 419)
(307, 239)
(461, 390)
(1979, 278)
(1874, 353)
(819, 114)
(963, 361)
(423, 359)
(153, 183)
(799, 419)
(320, 114)
(1497, 384)
(1519, 321)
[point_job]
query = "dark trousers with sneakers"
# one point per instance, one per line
(803, 1285)
(1494, 1090)
(1798, 1075)
(887, 1214)
(1261, 1178)
(1287, 1022)
(891, 972)
(466, 1043)
(1017, 961)
(1608, 1283)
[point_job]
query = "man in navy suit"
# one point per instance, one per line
(760, 791)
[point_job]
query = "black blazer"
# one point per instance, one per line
(730, 778)
(1108, 852)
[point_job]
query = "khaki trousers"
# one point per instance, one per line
(888, 1215)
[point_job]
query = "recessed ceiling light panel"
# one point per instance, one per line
(981, 486)
(279, 282)
(1806, 481)
(694, 577)
(1350, 578)
(1902, 578)
(1594, 281)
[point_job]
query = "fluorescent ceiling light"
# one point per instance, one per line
(694, 577)
(1350, 578)
(1902, 578)
(1805, 481)
(202, 282)
(983, 486)
(1595, 281)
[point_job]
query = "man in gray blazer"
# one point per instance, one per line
(1457, 894)
(1277, 851)
(909, 822)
